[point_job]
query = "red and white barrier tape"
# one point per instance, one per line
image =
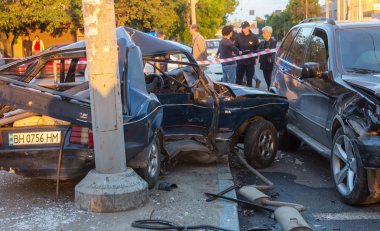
(215, 61)
(247, 56)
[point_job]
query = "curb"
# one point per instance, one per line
(229, 218)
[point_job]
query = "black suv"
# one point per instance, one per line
(330, 73)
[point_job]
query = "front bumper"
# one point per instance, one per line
(369, 149)
(43, 162)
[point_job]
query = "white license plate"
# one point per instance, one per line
(32, 138)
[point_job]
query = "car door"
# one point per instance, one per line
(292, 64)
(284, 81)
(187, 110)
(316, 95)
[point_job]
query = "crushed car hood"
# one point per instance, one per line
(369, 83)
(240, 90)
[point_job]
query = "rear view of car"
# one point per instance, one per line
(31, 145)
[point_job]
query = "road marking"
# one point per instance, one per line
(348, 216)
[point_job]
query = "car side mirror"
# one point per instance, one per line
(311, 70)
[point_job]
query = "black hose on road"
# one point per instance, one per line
(167, 225)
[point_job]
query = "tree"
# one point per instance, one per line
(294, 12)
(261, 22)
(148, 15)
(173, 17)
(212, 14)
(280, 23)
(297, 9)
(17, 17)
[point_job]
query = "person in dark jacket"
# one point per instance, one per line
(266, 61)
(228, 50)
(246, 42)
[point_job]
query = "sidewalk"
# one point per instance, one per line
(28, 204)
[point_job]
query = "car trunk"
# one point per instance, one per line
(20, 129)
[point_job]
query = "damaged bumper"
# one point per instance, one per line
(43, 162)
(369, 149)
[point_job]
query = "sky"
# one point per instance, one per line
(261, 7)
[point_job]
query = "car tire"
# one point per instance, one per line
(260, 144)
(151, 172)
(348, 173)
(288, 142)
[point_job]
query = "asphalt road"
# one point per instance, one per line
(304, 177)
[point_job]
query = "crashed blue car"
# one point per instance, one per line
(170, 109)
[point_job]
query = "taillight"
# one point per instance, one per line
(90, 139)
(82, 135)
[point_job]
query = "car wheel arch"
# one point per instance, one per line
(242, 129)
(337, 123)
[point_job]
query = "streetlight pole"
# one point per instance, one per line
(111, 186)
(306, 9)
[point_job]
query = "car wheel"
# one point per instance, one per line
(151, 172)
(288, 142)
(349, 175)
(260, 144)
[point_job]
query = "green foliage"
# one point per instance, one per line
(294, 13)
(280, 23)
(260, 22)
(52, 16)
(297, 9)
(150, 15)
(56, 16)
(173, 17)
(212, 14)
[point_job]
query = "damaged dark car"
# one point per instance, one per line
(172, 110)
(330, 73)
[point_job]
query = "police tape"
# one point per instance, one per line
(216, 61)
(246, 56)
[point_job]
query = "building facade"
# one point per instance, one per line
(351, 9)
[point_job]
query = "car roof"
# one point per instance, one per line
(356, 24)
(149, 45)
(345, 24)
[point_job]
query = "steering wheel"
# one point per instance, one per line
(154, 83)
(182, 84)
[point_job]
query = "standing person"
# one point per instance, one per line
(247, 42)
(198, 44)
(27, 46)
(266, 61)
(226, 50)
(38, 45)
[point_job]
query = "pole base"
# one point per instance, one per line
(103, 193)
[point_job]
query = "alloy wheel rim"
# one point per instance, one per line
(266, 144)
(344, 165)
(153, 161)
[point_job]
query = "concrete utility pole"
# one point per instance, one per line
(193, 12)
(360, 10)
(327, 8)
(111, 187)
(306, 9)
(338, 10)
